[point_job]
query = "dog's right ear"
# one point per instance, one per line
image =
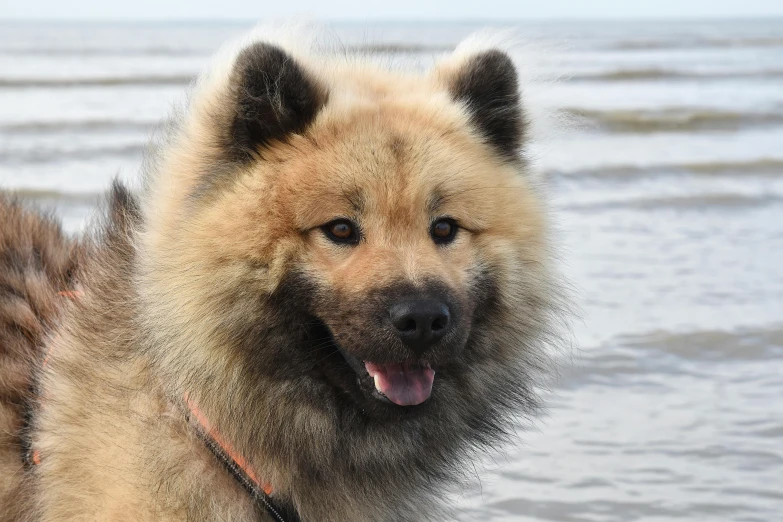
(487, 85)
(273, 97)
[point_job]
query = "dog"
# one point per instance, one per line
(334, 289)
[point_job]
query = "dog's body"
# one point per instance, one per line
(342, 272)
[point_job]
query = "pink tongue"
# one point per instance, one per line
(404, 384)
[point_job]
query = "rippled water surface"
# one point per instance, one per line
(668, 186)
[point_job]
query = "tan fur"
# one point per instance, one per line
(172, 288)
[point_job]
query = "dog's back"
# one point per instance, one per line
(36, 263)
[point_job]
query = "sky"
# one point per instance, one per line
(390, 9)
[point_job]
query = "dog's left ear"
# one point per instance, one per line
(271, 97)
(488, 86)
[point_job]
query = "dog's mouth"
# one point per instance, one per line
(405, 384)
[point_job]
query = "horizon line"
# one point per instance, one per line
(366, 19)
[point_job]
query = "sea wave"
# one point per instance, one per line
(721, 43)
(670, 119)
(767, 167)
(95, 51)
(685, 202)
(53, 127)
(108, 81)
(746, 343)
(623, 75)
(47, 155)
(34, 194)
(665, 351)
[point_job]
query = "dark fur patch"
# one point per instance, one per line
(123, 206)
(488, 85)
(317, 330)
(37, 261)
(274, 97)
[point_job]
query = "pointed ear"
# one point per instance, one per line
(487, 84)
(273, 97)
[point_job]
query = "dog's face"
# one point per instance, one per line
(403, 225)
(386, 223)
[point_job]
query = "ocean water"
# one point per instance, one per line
(662, 146)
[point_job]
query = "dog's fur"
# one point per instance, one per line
(217, 282)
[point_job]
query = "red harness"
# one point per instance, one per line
(233, 461)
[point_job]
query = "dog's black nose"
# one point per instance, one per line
(420, 323)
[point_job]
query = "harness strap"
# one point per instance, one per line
(239, 468)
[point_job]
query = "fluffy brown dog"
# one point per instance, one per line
(334, 287)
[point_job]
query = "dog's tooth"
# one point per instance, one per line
(376, 379)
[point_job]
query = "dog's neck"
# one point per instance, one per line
(260, 491)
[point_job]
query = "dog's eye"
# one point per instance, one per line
(341, 231)
(443, 231)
